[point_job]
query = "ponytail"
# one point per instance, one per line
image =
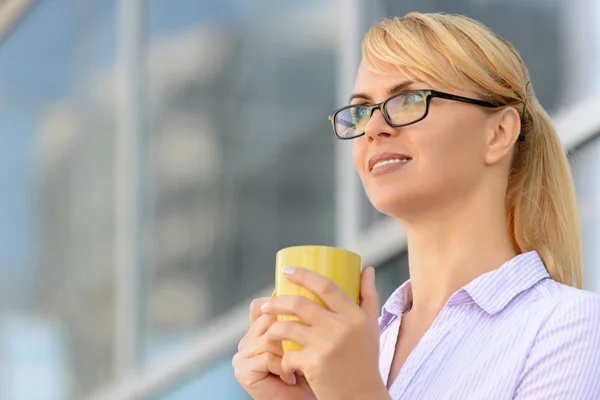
(541, 205)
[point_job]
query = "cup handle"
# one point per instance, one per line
(273, 294)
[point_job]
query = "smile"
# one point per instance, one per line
(392, 161)
(388, 166)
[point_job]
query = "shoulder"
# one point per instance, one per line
(567, 311)
(576, 305)
(551, 295)
(559, 299)
(564, 358)
(552, 311)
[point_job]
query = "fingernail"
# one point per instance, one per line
(292, 379)
(288, 271)
(264, 306)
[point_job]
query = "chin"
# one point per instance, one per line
(393, 204)
(406, 201)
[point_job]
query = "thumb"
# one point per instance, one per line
(369, 299)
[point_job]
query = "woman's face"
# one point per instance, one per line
(446, 151)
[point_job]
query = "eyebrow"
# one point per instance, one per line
(391, 91)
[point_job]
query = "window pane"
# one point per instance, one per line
(56, 230)
(216, 382)
(585, 166)
(238, 159)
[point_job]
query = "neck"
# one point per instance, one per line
(450, 248)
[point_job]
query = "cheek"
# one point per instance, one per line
(453, 152)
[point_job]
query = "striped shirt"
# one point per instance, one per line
(511, 333)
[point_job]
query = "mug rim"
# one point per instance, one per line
(319, 246)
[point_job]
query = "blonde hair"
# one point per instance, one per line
(460, 52)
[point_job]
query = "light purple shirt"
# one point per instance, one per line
(512, 333)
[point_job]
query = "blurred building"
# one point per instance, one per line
(235, 160)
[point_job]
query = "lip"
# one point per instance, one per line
(386, 156)
(388, 168)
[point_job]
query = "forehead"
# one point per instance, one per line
(368, 81)
(378, 84)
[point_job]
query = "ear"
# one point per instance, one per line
(502, 135)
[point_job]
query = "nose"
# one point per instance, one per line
(377, 127)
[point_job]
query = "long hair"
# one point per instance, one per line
(460, 52)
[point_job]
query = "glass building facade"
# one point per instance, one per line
(234, 160)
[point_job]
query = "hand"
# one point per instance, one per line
(257, 364)
(340, 344)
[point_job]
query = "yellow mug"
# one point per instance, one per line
(341, 266)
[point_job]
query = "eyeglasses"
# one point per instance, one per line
(401, 109)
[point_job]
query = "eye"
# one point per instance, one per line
(412, 98)
(362, 111)
(359, 111)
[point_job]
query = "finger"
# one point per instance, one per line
(268, 362)
(308, 311)
(289, 330)
(294, 361)
(369, 298)
(274, 366)
(263, 345)
(255, 306)
(258, 328)
(334, 298)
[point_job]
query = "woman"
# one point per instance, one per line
(450, 140)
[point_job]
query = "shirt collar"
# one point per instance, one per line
(491, 291)
(397, 305)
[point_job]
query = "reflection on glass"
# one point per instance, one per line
(56, 235)
(390, 274)
(238, 161)
(215, 383)
(585, 164)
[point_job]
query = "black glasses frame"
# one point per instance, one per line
(428, 94)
